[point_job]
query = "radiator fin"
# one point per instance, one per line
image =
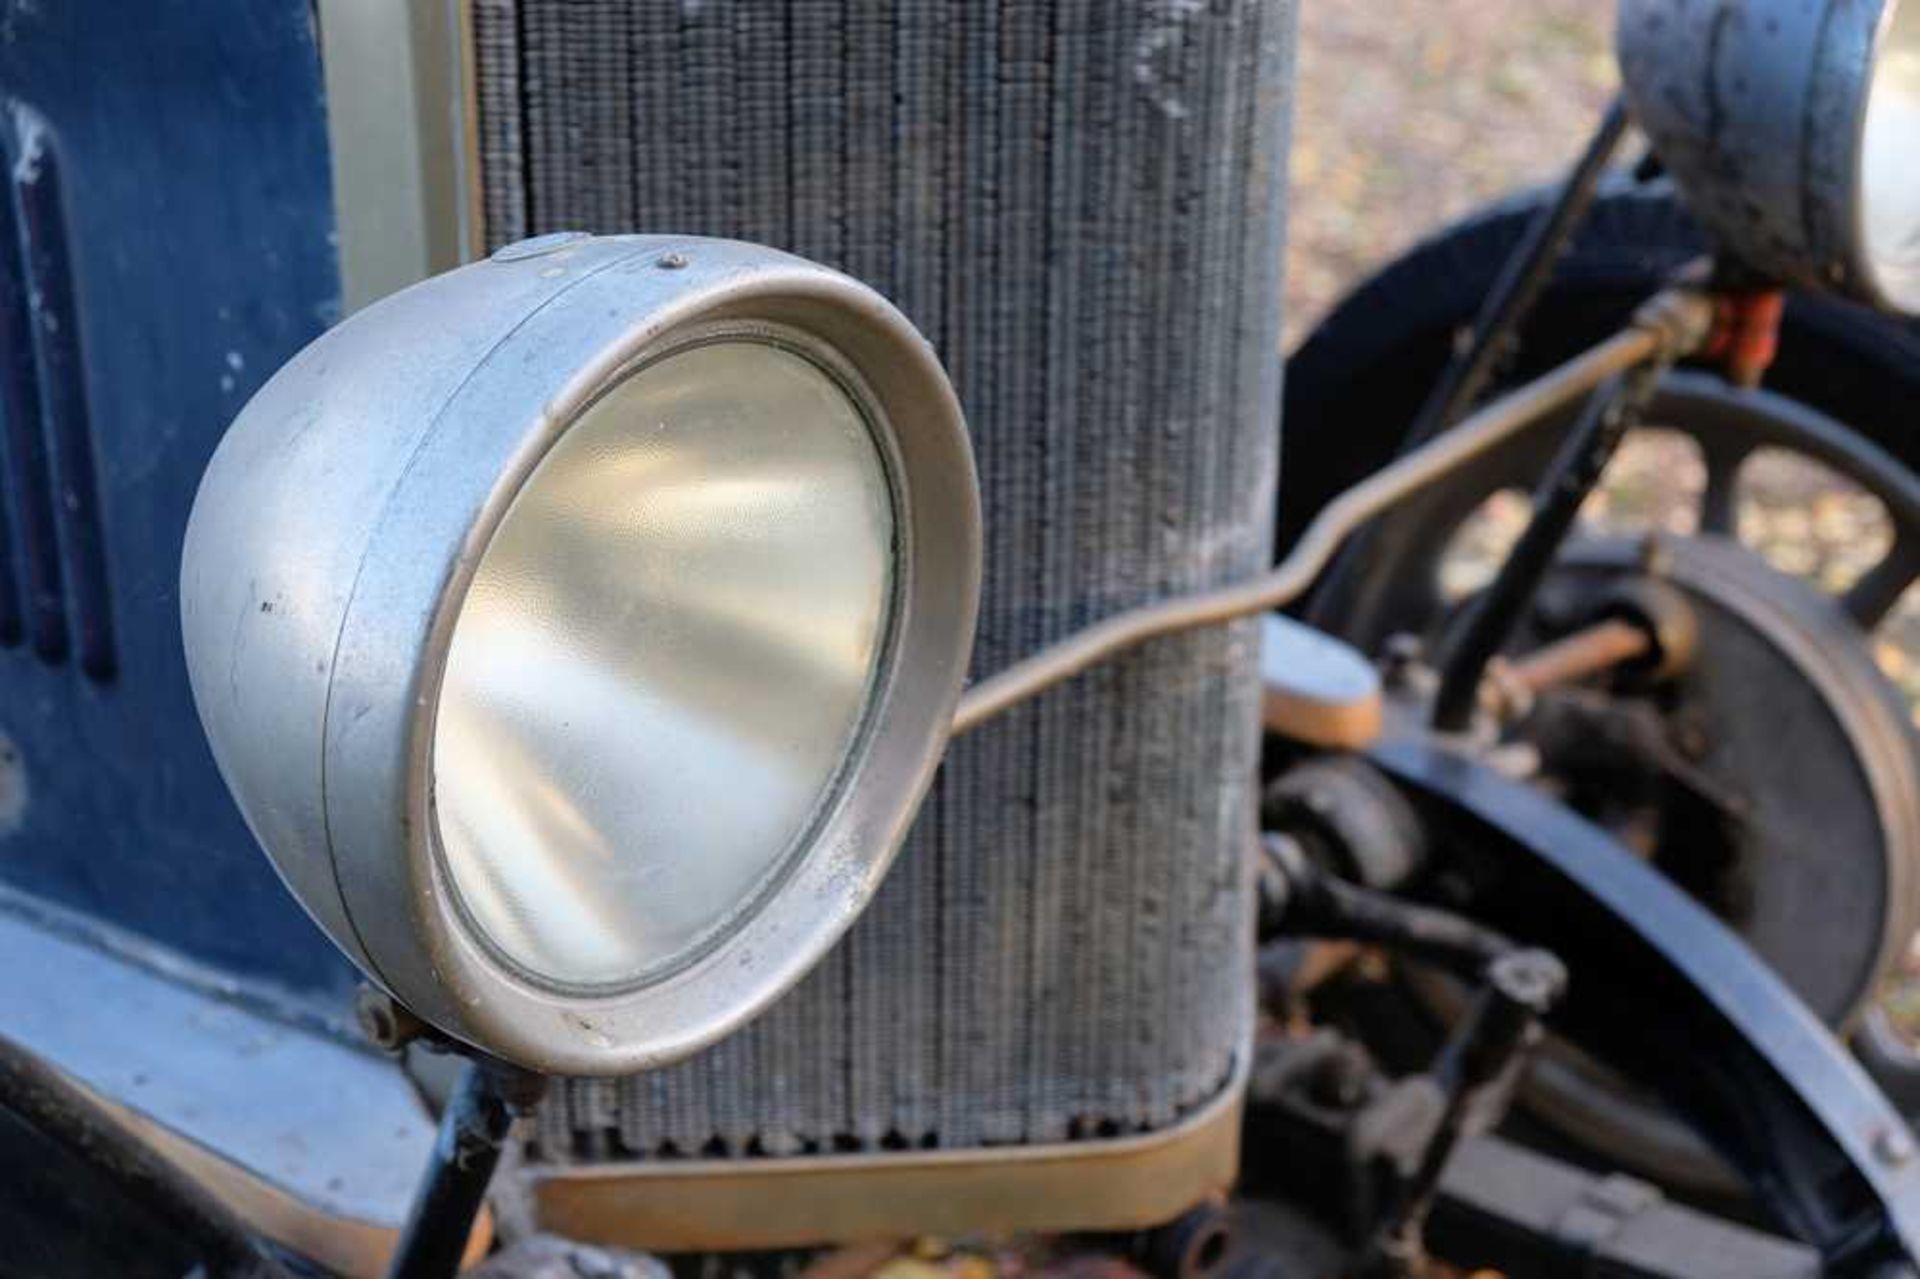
(1078, 201)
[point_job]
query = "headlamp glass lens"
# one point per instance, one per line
(666, 652)
(1890, 161)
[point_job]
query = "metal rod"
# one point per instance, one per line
(1492, 617)
(1523, 277)
(1301, 899)
(473, 1130)
(1521, 988)
(1672, 323)
(1599, 647)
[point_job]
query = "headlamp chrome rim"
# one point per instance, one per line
(816, 899)
(1758, 111)
(358, 490)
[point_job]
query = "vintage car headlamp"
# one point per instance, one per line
(579, 630)
(1793, 130)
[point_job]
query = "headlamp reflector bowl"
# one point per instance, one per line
(1788, 126)
(663, 655)
(1890, 161)
(579, 630)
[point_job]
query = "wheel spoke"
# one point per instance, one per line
(1717, 512)
(1872, 597)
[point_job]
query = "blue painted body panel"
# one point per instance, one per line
(166, 243)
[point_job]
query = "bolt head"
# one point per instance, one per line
(1893, 1146)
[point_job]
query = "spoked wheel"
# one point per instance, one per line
(1401, 577)
(1774, 772)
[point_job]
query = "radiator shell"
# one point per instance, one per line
(1080, 204)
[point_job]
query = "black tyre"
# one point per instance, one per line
(1359, 378)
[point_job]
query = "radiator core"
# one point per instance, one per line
(1080, 204)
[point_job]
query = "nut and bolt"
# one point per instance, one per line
(386, 1024)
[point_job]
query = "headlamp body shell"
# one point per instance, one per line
(1757, 108)
(342, 517)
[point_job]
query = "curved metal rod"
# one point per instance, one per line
(1672, 323)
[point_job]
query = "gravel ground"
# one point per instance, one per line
(1408, 115)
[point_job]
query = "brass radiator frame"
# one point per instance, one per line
(701, 1205)
(420, 120)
